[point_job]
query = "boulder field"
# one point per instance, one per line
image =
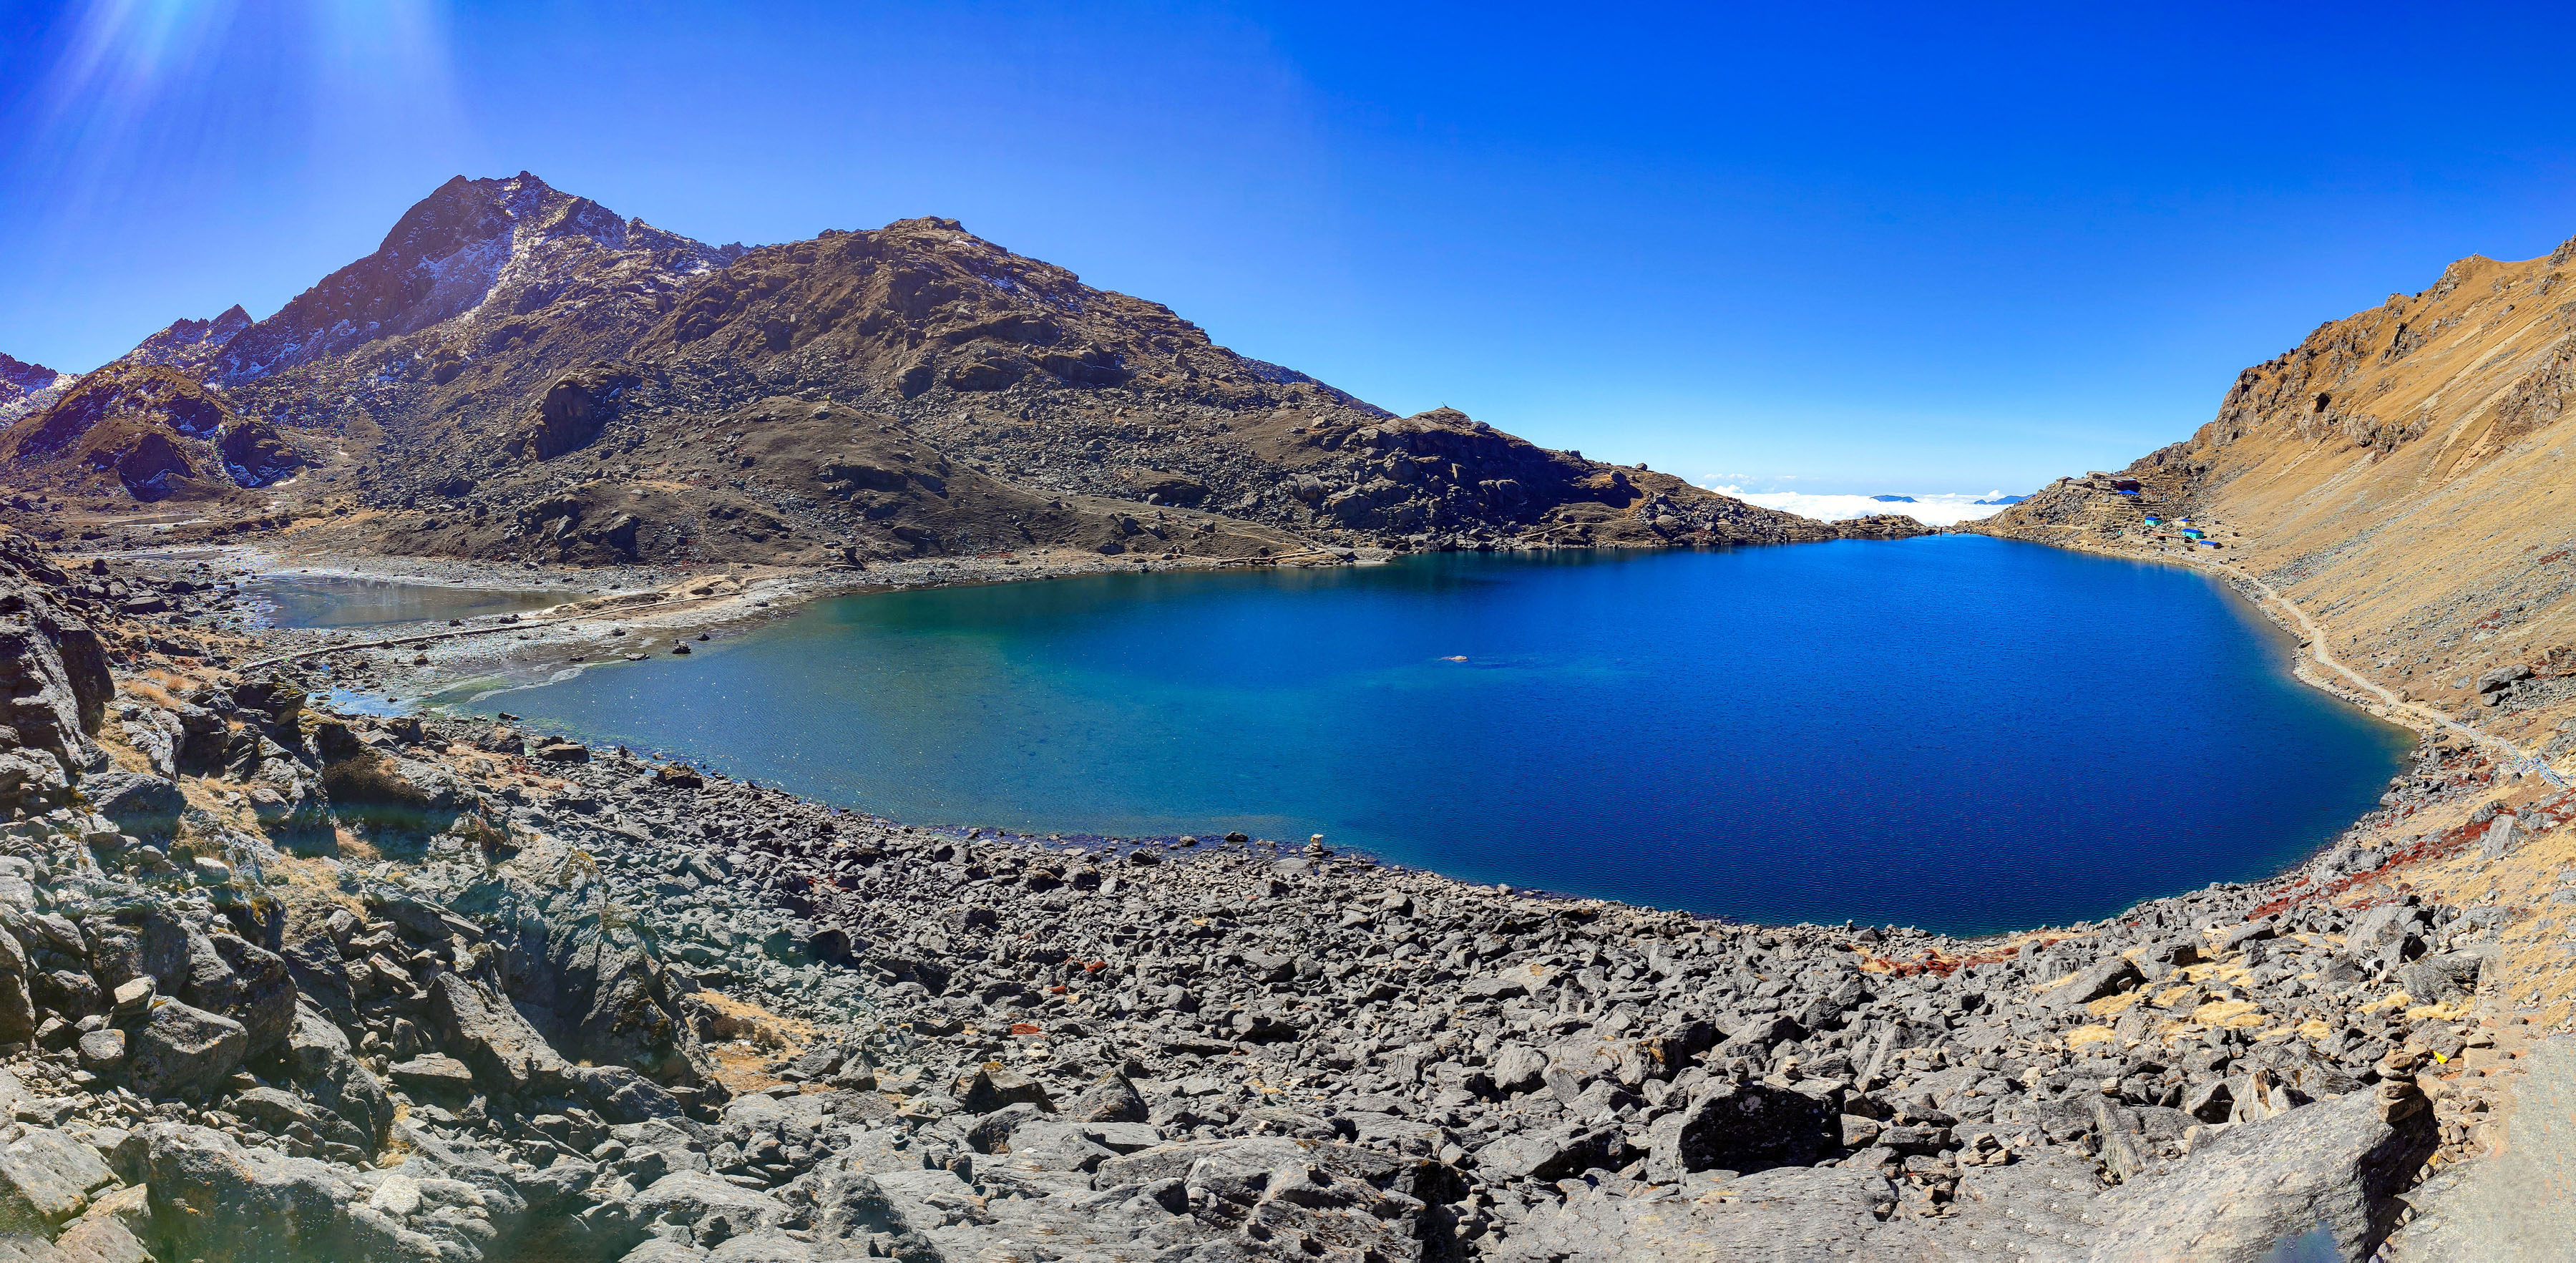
(281, 983)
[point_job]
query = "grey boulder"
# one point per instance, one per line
(1519, 1068)
(1109, 1099)
(1741, 1126)
(214, 1199)
(698, 1207)
(1788, 1213)
(2334, 1167)
(1541, 1155)
(1342, 1200)
(102, 1052)
(183, 1050)
(840, 1202)
(46, 1177)
(995, 1085)
(2105, 977)
(138, 802)
(318, 1051)
(490, 1037)
(2435, 979)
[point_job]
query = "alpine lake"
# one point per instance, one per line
(1955, 732)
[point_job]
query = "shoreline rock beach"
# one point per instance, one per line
(430, 987)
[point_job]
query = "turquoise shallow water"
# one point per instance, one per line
(1953, 732)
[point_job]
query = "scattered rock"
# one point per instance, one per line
(182, 1050)
(2333, 1166)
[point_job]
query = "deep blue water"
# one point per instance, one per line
(1954, 732)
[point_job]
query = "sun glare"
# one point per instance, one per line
(163, 86)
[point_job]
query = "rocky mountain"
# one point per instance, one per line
(26, 388)
(148, 432)
(190, 345)
(490, 265)
(2395, 476)
(519, 373)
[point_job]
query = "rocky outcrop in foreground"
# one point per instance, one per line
(1597, 1081)
(277, 983)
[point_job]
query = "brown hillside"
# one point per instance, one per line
(2396, 476)
(148, 432)
(509, 345)
(781, 479)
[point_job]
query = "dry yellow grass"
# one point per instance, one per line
(744, 1037)
(2395, 477)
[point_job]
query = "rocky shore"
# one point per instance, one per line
(207, 604)
(277, 982)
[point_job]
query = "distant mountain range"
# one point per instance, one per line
(1912, 500)
(518, 372)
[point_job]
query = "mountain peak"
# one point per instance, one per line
(916, 389)
(190, 344)
(24, 375)
(26, 388)
(453, 254)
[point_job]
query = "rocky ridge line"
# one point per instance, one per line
(518, 374)
(26, 388)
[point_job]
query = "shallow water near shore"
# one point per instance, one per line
(1959, 733)
(309, 600)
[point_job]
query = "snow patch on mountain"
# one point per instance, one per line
(27, 388)
(190, 345)
(474, 257)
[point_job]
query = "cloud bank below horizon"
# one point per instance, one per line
(1931, 509)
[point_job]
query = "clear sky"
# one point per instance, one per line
(1813, 247)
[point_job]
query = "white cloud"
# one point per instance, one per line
(1931, 509)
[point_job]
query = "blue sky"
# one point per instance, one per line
(1830, 248)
